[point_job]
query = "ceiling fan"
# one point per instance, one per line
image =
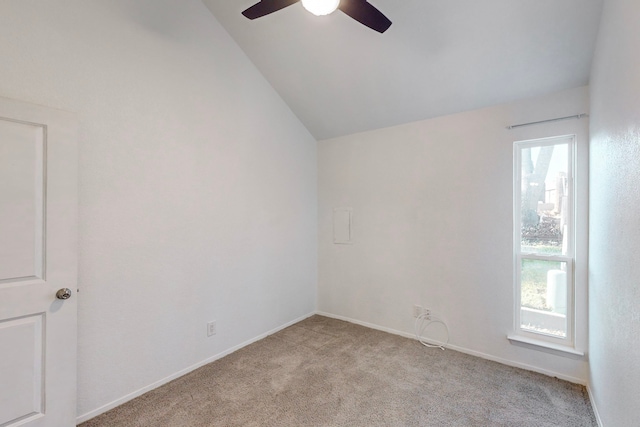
(360, 10)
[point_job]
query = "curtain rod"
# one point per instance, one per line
(577, 116)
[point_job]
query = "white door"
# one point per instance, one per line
(38, 257)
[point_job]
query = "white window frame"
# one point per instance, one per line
(526, 335)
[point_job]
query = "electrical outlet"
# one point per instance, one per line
(211, 328)
(417, 310)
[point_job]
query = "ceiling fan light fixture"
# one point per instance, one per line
(321, 7)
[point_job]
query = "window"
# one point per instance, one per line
(544, 239)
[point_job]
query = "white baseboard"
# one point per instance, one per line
(368, 325)
(595, 408)
(133, 395)
(463, 350)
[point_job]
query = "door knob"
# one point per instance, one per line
(64, 293)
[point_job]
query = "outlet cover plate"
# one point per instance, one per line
(211, 328)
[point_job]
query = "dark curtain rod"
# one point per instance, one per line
(577, 116)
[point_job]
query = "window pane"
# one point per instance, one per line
(544, 185)
(543, 300)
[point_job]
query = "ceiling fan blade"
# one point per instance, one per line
(266, 7)
(366, 14)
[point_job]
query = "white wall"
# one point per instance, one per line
(432, 209)
(198, 186)
(614, 270)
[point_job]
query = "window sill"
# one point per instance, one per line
(547, 347)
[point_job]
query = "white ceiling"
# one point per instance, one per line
(439, 57)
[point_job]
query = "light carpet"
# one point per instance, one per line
(326, 372)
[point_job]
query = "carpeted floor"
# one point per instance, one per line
(325, 372)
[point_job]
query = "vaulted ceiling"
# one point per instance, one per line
(438, 57)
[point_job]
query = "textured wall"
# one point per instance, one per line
(198, 195)
(614, 264)
(432, 209)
